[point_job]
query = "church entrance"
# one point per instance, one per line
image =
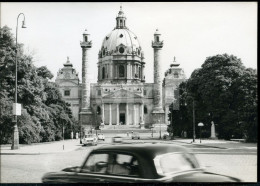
(122, 118)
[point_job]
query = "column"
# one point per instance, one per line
(134, 114)
(134, 70)
(127, 116)
(85, 80)
(117, 113)
(111, 71)
(86, 115)
(157, 46)
(142, 112)
(128, 75)
(103, 112)
(142, 77)
(110, 114)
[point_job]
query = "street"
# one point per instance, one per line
(237, 162)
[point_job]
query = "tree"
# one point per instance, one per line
(219, 90)
(43, 106)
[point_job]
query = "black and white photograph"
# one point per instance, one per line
(128, 92)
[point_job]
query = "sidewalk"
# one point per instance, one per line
(216, 143)
(42, 148)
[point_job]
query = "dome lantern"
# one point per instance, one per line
(120, 19)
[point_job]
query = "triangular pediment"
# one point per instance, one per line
(122, 93)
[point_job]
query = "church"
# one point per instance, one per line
(121, 98)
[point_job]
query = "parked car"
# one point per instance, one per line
(126, 163)
(117, 139)
(90, 139)
(101, 137)
(136, 135)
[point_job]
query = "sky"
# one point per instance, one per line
(192, 31)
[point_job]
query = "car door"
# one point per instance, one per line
(93, 170)
(109, 167)
(124, 167)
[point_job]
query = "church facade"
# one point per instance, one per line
(120, 96)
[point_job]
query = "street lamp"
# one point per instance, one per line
(193, 112)
(16, 106)
(80, 135)
(63, 133)
(200, 125)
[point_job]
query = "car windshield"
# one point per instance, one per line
(174, 162)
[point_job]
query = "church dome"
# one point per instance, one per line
(121, 40)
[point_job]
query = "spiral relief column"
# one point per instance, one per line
(86, 112)
(158, 112)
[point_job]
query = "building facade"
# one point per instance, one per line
(120, 96)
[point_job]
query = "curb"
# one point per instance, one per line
(200, 144)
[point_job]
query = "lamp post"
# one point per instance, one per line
(193, 111)
(63, 134)
(200, 125)
(16, 106)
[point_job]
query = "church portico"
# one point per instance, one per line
(122, 110)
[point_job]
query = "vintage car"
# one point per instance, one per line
(90, 139)
(136, 135)
(117, 139)
(101, 137)
(136, 163)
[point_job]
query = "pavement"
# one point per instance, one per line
(43, 148)
(74, 144)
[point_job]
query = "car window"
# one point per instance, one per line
(96, 163)
(123, 164)
(173, 162)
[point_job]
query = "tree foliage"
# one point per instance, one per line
(44, 112)
(224, 91)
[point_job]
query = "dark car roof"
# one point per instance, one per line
(144, 149)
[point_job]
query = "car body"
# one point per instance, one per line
(101, 136)
(136, 135)
(136, 163)
(117, 139)
(90, 139)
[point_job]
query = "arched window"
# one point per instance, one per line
(176, 75)
(145, 110)
(121, 71)
(157, 38)
(86, 38)
(103, 73)
(104, 52)
(98, 110)
(139, 72)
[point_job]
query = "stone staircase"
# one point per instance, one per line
(123, 129)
